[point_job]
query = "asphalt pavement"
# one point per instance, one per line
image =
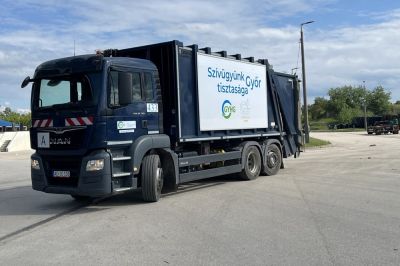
(336, 205)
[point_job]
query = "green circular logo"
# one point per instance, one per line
(120, 125)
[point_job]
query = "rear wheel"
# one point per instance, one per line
(272, 160)
(252, 164)
(152, 178)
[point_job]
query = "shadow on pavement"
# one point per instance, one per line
(26, 201)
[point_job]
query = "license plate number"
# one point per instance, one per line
(61, 174)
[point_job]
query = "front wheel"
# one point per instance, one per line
(252, 164)
(152, 178)
(272, 160)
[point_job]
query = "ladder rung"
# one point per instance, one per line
(121, 158)
(121, 174)
(122, 189)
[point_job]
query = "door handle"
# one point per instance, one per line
(144, 123)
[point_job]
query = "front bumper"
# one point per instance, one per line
(92, 184)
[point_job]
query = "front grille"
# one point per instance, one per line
(63, 164)
(62, 138)
(69, 140)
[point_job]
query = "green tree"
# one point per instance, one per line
(346, 114)
(347, 102)
(319, 109)
(346, 97)
(378, 101)
(395, 108)
(15, 117)
(7, 112)
(26, 119)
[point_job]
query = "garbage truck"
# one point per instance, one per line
(156, 116)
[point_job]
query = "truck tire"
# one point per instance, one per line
(272, 160)
(252, 164)
(152, 178)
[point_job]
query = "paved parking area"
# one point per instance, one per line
(337, 205)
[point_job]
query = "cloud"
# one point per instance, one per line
(23, 111)
(334, 56)
(353, 54)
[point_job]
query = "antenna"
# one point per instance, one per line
(74, 47)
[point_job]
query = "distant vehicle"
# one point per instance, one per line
(383, 127)
(359, 121)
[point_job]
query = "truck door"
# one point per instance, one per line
(135, 113)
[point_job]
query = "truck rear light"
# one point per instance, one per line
(35, 164)
(95, 165)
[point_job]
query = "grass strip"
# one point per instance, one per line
(314, 142)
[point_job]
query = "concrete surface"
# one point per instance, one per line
(337, 205)
(19, 141)
(7, 136)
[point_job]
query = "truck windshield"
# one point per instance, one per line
(69, 90)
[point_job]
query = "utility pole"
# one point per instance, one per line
(303, 69)
(365, 108)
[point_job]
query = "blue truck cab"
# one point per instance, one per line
(127, 119)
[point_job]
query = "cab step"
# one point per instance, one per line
(120, 189)
(122, 174)
(121, 158)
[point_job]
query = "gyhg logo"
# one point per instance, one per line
(227, 109)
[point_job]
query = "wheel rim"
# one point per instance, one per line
(272, 159)
(251, 163)
(159, 179)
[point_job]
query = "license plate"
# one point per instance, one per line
(61, 174)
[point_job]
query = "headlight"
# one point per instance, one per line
(95, 165)
(35, 164)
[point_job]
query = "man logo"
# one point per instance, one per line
(227, 109)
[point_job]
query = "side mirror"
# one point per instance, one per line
(26, 82)
(124, 88)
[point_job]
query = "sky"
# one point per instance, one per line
(349, 42)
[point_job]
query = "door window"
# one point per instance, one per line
(114, 90)
(148, 87)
